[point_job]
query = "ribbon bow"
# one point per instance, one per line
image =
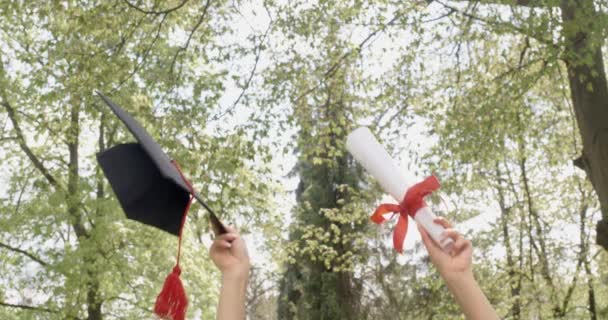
(411, 203)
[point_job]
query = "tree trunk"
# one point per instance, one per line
(587, 265)
(93, 302)
(590, 291)
(585, 259)
(589, 91)
(310, 289)
(514, 284)
(75, 213)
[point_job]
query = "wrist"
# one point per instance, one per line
(239, 274)
(235, 283)
(462, 285)
(458, 277)
(469, 296)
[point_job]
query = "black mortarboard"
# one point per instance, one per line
(147, 183)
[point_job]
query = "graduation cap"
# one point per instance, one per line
(148, 184)
(151, 189)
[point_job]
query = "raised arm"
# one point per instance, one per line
(229, 253)
(455, 269)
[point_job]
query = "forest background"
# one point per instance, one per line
(505, 101)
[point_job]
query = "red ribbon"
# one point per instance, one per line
(411, 203)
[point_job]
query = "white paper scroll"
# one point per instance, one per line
(362, 144)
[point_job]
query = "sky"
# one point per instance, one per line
(414, 139)
(254, 19)
(381, 56)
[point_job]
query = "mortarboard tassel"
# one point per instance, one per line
(172, 302)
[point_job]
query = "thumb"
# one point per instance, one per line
(430, 245)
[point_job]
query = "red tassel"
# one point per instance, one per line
(172, 302)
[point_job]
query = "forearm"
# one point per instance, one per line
(232, 297)
(469, 297)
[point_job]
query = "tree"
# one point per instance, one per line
(325, 242)
(516, 155)
(475, 69)
(496, 97)
(572, 33)
(65, 236)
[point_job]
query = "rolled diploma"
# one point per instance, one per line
(362, 144)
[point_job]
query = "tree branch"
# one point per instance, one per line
(167, 11)
(185, 47)
(25, 253)
(258, 54)
(521, 3)
(335, 66)
(24, 307)
(22, 143)
(358, 49)
(489, 22)
(134, 303)
(145, 55)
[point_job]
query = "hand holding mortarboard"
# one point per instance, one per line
(152, 189)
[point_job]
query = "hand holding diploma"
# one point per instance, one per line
(450, 265)
(372, 156)
(450, 252)
(455, 269)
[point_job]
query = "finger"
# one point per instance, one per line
(461, 244)
(231, 230)
(451, 233)
(215, 246)
(224, 244)
(430, 245)
(443, 222)
(227, 236)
